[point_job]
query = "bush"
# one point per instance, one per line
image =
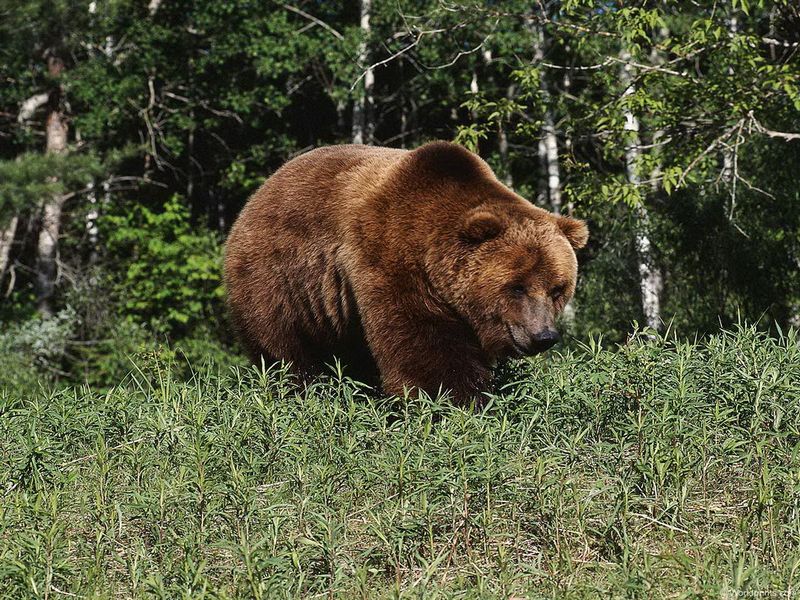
(170, 277)
(33, 351)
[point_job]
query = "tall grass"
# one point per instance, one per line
(657, 469)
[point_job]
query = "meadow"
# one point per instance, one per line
(658, 468)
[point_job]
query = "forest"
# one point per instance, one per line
(131, 135)
(652, 454)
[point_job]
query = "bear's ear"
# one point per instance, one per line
(574, 230)
(481, 226)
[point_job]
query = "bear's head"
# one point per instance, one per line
(514, 272)
(507, 268)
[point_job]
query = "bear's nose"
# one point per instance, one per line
(544, 340)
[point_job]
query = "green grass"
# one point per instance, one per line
(658, 469)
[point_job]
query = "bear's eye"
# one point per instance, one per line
(518, 290)
(557, 292)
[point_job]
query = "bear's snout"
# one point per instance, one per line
(543, 340)
(533, 330)
(527, 343)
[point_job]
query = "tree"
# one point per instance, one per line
(650, 278)
(363, 103)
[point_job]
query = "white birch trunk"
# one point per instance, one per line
(650, 279)
(473, 84)
(548, 146)
(7, 234)
(363, 128)
(92, 231)
(502, 146)
(728, 175)
(542, 196)
(47, 253)
(727, 153)
(28, 107)
(548, 151)
(567, 83)
(551, 157)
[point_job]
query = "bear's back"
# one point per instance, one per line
(282, 258)
(313, 188)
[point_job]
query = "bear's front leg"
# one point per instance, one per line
(414, 348)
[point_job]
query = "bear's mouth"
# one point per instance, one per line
(519, 349)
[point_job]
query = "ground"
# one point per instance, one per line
(659, 469)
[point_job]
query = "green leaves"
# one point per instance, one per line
(470, 136)
(170, 277)
(31, 178)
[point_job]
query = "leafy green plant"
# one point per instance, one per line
(170, 273)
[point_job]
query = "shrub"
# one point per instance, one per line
(170, 278)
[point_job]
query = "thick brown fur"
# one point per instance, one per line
(419, 265)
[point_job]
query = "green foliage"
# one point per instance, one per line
(202, 100)
(169, 269)
(31, 178)
(651, 470)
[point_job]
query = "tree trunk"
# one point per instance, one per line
(548, 146)
(549, 152)
(363, 105)
(7, 234)
(551, 156)
(92, 216)
(567, 84)
(47, 252)
(502, 145)
(542, 197)
(47, 245)
(550, 188)
(28, 107)
(650, 279)
(728, 175)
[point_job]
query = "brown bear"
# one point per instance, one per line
(418, 264)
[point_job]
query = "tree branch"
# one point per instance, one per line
(771, 132)
(314, 19)
(31, 105)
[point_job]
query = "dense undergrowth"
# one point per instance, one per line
(660, 468)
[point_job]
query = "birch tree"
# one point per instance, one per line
(548, 144)
(363, 128)
(7, 234)
(650, 278)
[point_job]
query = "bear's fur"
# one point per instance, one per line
(419, 265)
